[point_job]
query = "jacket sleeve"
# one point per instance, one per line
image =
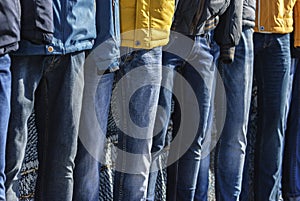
(297, 24)
(229, 29)
(106, 51)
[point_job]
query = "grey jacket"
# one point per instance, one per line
(190, 15)
(249, 13)
(229, 29)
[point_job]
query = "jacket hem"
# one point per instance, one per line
(28, 48)
(144, 45)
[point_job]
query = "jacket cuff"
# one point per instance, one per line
(227, 54)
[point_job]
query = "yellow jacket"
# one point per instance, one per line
(297, 24)
(145, 23)
(274, 16)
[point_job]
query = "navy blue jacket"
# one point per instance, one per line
(37, 21)
(72, 29)
(9, 25)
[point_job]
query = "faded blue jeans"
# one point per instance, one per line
(163, 114)
(52, 86)
(5, 90)
(272, 62)
(231, 147)
(198, 69)
(97, 95)
(137, 93)
(292, 143)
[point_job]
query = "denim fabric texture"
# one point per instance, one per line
(199, 70)
(52, 86)
(96, 101)
(292, 163)
(5, 91)
(201, 192)
(160, 128)
(272, 71)
(87, 165)
(231, 147)
(137, 94)
(106, 50)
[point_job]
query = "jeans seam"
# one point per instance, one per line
(294, 168)
(53, 61)
(218, 195)
(45, 139)
(123, 163)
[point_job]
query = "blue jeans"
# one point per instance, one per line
(292, 163)
(52, 86)
(5, 90)
(160, 128)
(272, 69)
(198, 70)
(137, 93)
(201, 192)
(87, 165)
(231, 147)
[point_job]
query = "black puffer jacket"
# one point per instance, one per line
(9, 25)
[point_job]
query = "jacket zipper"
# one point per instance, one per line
(197, 18)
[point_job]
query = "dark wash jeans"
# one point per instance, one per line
(52, 86)
(198, 70)
(137, 93)
(87, 165)
(231, 148)
(5, 90)
(291, 184)
(272, 70)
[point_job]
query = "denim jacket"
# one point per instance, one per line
(106, 53)
(74, 27)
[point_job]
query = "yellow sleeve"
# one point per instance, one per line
(297, 24)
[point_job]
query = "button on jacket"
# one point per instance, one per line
(274, 16)
(57, 27)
